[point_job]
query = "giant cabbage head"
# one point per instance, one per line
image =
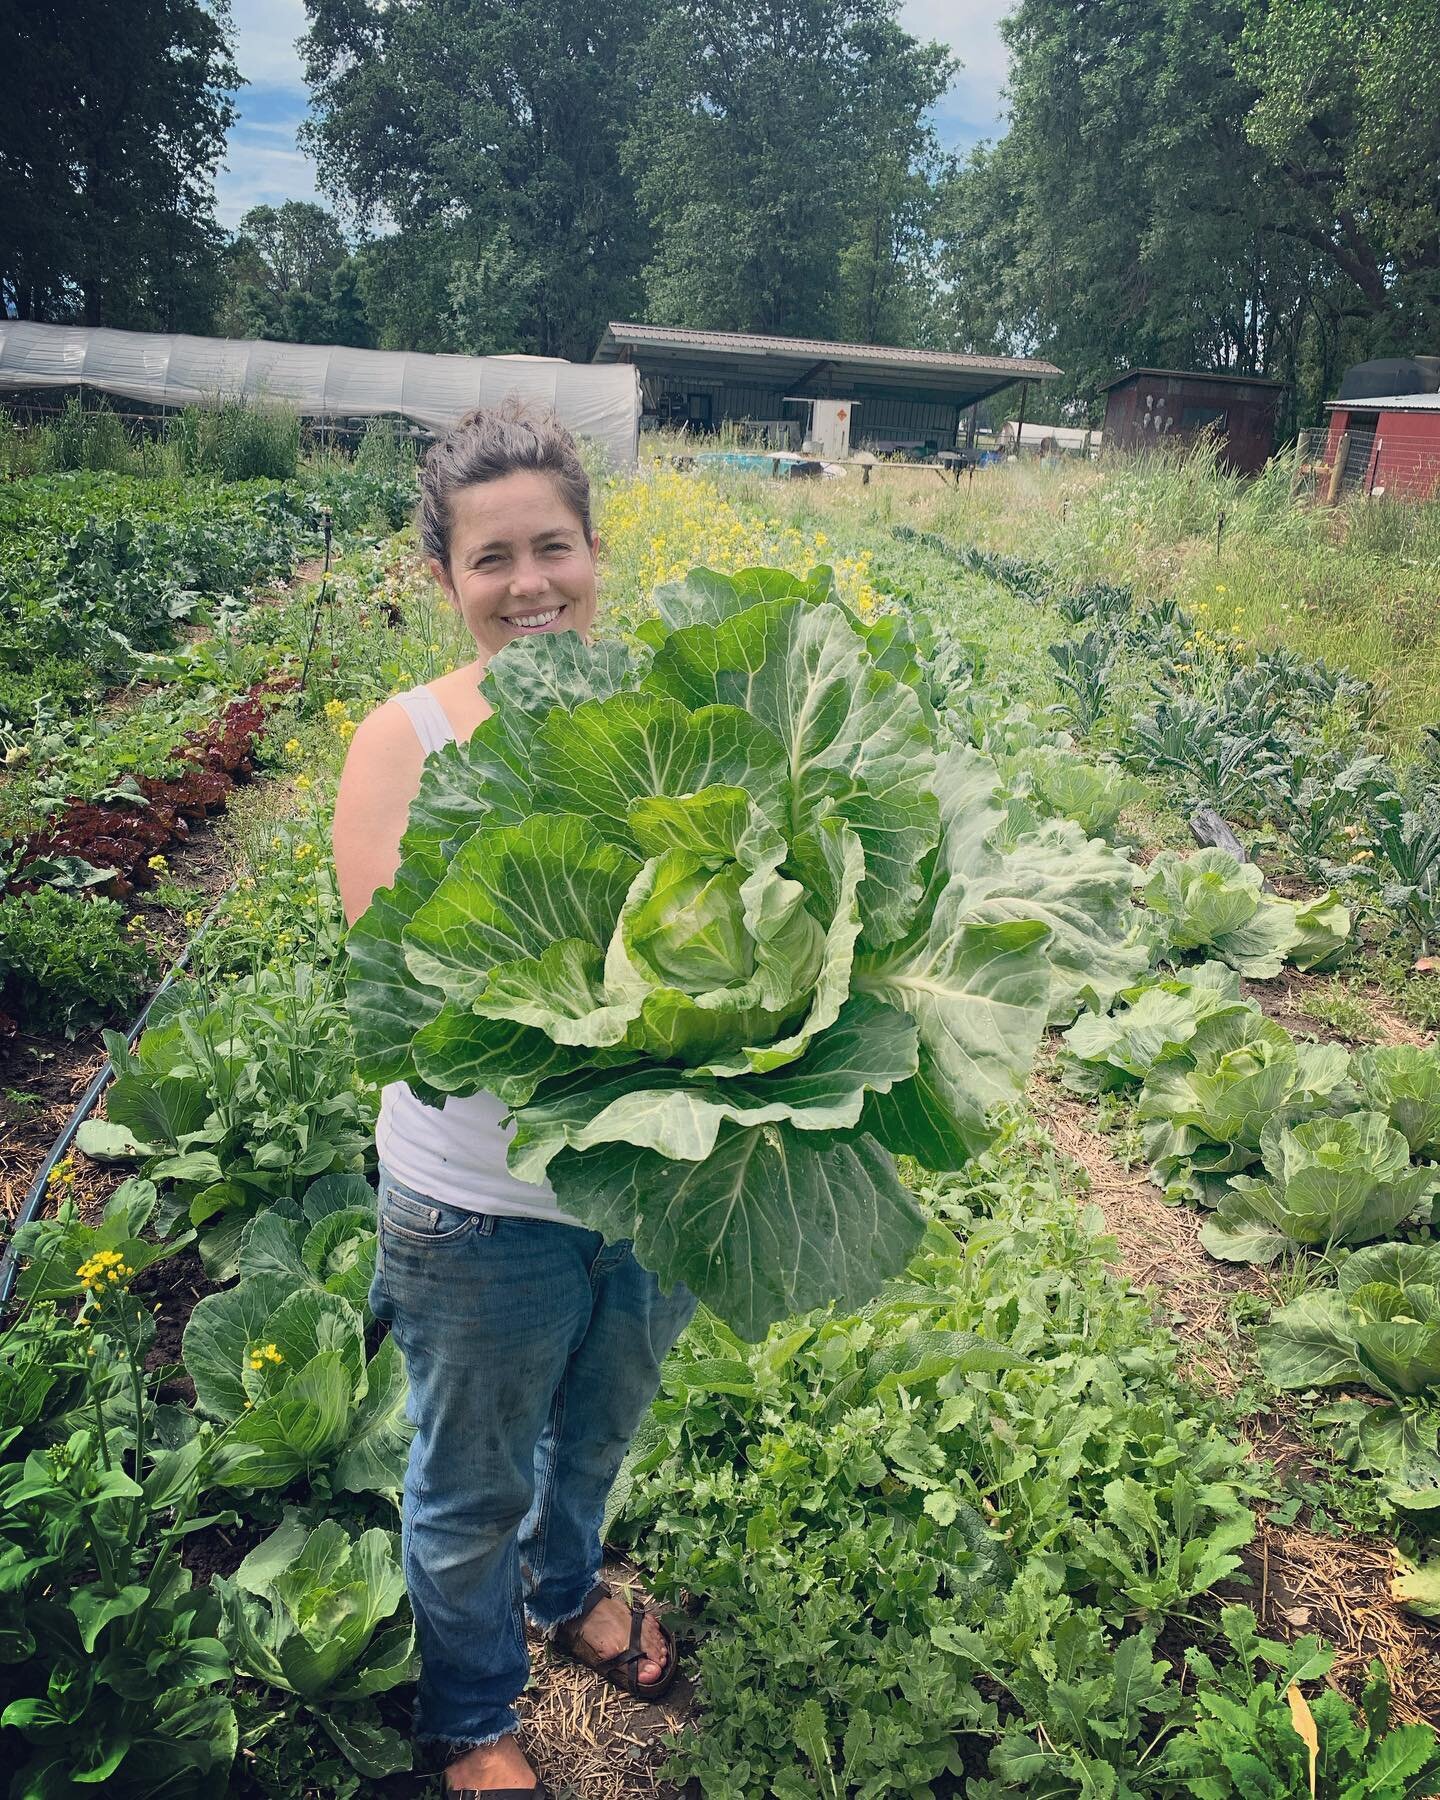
(720, 921)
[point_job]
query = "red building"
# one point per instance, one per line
(1392, 444)
(1149, 407)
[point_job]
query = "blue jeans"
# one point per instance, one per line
(533, 1351)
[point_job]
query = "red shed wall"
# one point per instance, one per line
(1405, 459)
(1152, 409)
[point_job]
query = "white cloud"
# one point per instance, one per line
(261, 174)
(265, 32)
(972, 30)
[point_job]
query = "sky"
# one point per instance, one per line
(263, 164)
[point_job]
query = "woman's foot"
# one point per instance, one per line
(495, 1766)
(605, 1629)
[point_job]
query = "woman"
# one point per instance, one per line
(533, 1347)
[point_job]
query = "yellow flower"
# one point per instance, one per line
(1220, 587)
(303, 784)
(346, 730)
(292, 747)
(336, 710)
(158, 864)
(303, 850)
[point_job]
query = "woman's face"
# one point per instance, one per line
(520, 563)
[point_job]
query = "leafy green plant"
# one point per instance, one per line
(1326, 1182)
(327, 1242)
(1058, 783)
(68, 961)
(1204, 1124)
(285, 1369)
(236, 1097)
(1402, 1081)
(322, 1615)
(1380, 1328)
(1083, 668)
(1405, 841)
(1162, 1021)
(1256, 1736)
(724, 935)
(1211, 901)
(57, 1248)
(1187, 745)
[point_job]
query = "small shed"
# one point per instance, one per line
(1392, 444)
(784, 390)
(1145, 408)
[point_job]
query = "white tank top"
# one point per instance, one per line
(457, 1154)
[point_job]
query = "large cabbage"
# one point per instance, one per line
(725, 931)
(1210, 900)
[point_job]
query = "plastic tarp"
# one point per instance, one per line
(600, 401)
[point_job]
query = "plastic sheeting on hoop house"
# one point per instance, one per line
(600, 401)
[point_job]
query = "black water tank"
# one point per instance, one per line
(1391, 375)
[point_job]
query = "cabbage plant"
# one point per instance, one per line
(326, 1242)
(283, 1366)
(1204, 1123)
(1403, 1082)
(1326, 1182)
(324, 1616)
(1380, 1328)
(724, 924)
(1164, 1020)
(1211, 901)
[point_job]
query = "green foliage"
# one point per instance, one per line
(322, 1615)
(237, 1097)
(697, 925)
(1210, 901)
(1164, 1020)
(67, 961)
(1058, 783)
(1326, 1182)
(1402, 1081)
(1381, 1329)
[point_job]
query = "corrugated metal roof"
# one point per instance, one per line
(1193, 375)
(1392, 403)
(619, 334)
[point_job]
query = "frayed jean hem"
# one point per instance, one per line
(437, 1753)
(548, 1627)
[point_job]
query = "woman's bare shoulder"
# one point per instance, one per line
(459, 693)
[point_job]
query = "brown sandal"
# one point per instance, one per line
(621, 1669)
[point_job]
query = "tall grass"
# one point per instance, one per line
(236, 441)
(1356, 584)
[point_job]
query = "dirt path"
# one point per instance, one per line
(1300, 1581)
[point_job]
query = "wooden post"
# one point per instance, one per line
(970, 425)
(1337, 474)
(1020, 422)
(1374, 468)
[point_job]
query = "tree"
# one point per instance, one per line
(291, 279)
(782, 144)
(489, 134)
(113, 115)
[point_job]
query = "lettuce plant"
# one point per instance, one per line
(726, 931)
(1403, 1082)
(1326, 1182)
(1211, 901)
(323, 1616)
(284, 1366)
(1165, 1020)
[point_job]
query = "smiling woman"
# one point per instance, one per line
(533, 1347)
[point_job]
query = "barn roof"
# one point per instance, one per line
(1421, 403)
(797, 362)
(1206, 375)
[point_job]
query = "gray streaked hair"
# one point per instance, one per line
(487, 445)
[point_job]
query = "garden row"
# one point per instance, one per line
(956, 1540)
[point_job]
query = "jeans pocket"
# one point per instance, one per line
(415, 1218)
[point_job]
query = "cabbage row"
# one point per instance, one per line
(725, 922)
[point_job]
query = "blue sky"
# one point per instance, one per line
(263, 164)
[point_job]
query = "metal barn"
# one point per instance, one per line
(1146, 408)
(840, 396)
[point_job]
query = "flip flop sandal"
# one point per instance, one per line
(538, 1792)
(620, 1670)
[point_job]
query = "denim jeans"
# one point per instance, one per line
(533, 1351)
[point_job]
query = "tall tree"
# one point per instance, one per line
(489, 133)
(290, 278)
(779, 146)
(113, 115)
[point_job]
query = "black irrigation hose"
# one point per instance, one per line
(30, 1208)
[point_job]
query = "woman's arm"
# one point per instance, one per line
(380, 779)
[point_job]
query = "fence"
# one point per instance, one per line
(1316, 476)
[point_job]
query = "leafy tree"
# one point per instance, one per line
(113, 115)
(781, 146)
(490, 134)
(291, 279)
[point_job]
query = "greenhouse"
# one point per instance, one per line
(321, 381)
